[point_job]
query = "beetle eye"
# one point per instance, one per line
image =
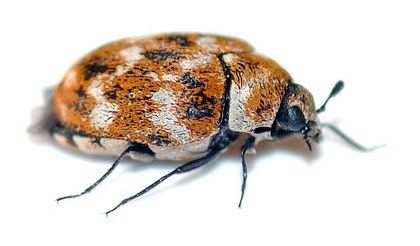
(291, 119)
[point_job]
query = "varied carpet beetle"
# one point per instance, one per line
(179, 97)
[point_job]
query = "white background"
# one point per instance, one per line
(335, 196)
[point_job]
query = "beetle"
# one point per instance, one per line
(179, 96)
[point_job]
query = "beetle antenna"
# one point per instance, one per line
(336, 89)
(349, 140)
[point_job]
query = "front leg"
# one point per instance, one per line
(248, 146)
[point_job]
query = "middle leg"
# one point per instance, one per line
(181, 169)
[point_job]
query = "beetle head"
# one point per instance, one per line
(297, 114)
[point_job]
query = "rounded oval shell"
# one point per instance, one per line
(165, 90)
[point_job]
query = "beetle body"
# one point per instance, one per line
(170, 94)
(179, 97)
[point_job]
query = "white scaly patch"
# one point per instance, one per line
(199, 60)
(62, 140)
(119, 70)
(258, 138)
(88, 145)
(153, 75)
(170, 77)
(188, 151)
(166, 117)
(131, 56)
(207, 43)
(238, 119)
(104, 111)
(230, 58)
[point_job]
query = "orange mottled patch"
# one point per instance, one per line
(192, 42)
(261, 82)
(164, 90)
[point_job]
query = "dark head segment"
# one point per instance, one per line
(297, 113)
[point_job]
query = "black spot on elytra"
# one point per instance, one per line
(111, 94)
(196, 113)
(190, 80)
(201, 106)
(158, 140)
(180, 39)
(80, 92)
(80, 105)
(259, 130)
(117, 87)
(93, 69)
(161, 55)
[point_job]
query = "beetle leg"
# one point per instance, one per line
(108, 172)
(249, 144)
(181, 169)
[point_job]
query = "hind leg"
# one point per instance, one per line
(181, 169)
(135, 147)
(97, 146)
